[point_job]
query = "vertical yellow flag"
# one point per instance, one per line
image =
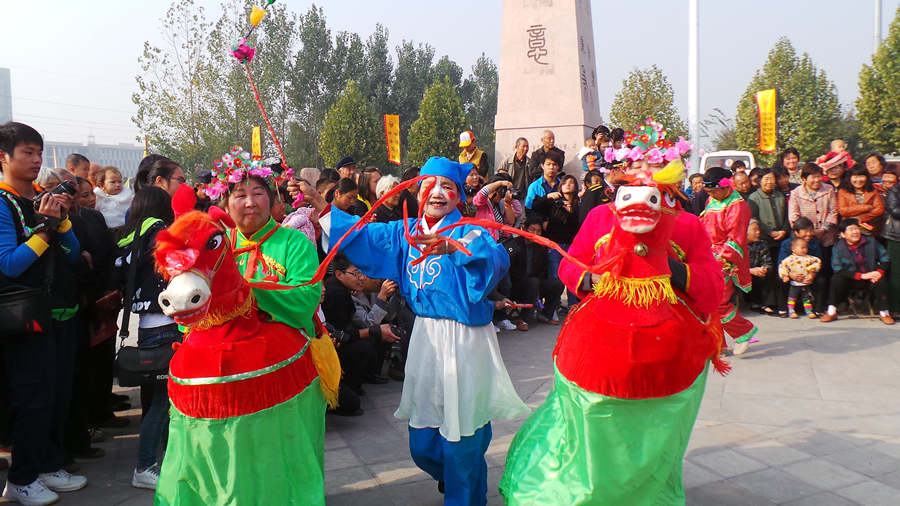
(392, 136)
(257, 147)
(766, 102)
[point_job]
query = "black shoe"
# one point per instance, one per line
(90, 453)
(375, 380)
(97, 436)
(396, 373)
(119, 406)
(70, 466)
(359, 391)
(119, 398)
(116, 422)
(441, 487)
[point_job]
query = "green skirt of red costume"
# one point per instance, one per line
(247, 422)
(614, 429)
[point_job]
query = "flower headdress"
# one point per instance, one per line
(648, 142)
(237, 166)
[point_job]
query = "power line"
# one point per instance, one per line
(79, 121)
(72, 105)
(67, 75)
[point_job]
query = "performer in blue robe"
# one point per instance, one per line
(456, 382)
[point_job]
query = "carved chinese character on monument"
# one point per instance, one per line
(546, 58)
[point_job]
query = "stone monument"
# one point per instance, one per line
(548, 77)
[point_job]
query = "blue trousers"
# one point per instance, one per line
(461, 465)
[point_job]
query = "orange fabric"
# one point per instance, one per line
(848, 208)
(4, 186)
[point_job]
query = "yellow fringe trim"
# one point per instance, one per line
(673, 173)
(328, 366)
(220, 317)
(638, 292)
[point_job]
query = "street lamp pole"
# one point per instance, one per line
(694, 83)
(877, 25)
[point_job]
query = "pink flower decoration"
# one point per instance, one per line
(635, 154)
(217, 189)
(609, 155)
(622, 153)
(655, 156)
(179, 261)
(287, 174)
(725, 183)
(242, 51)
(683, 145)
(297, 201)
(672, 154)
(262, 172)
(235, 177)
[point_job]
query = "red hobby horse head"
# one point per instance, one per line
(194, 256)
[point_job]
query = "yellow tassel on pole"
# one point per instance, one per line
(638, 292)
(256, 15)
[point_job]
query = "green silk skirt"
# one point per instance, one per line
(583, 448)
(247, 460)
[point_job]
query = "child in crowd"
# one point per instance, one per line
(799, 269)
(113, 197)
(589, 156)
(837, 155)
(738, 166)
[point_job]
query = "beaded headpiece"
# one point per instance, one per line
(237, 166)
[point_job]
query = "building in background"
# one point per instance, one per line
(124, 156)
(5, 96)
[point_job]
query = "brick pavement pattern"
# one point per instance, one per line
(810, 416)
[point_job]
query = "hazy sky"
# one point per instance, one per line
(65, 53)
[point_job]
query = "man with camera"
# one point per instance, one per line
(38, 299)
(377, 303)
(356, 348)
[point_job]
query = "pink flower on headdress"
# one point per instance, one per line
(725, 183)
(635, 154)
(216, 189)
(622, 153)
(672, 154)
(226, 158)
(683, 145)
(235, 176)
(655, 156)
(288, 173)
(609, 155)
(262, 172)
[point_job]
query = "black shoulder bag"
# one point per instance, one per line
(139, 366)
(25, 311)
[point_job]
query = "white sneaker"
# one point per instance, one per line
(506, 325)
(35, 494)
(496, 329)
(148, 478)
(61, 481)
(740, 348)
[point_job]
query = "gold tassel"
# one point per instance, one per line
(638, 292)
(328, 366)
(219, 317)
(673, 173)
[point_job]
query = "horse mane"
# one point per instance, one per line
(188, 231)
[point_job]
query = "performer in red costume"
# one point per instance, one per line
(726, 219)
(632, 359)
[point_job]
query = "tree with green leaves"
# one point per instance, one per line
(807, 107)
(379, 70)
(352, 129)
(647, 93)
(479, 95)
(719, 132)
(879, 94)
(436, 131)
(413, 74)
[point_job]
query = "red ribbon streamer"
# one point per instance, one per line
(265, 116)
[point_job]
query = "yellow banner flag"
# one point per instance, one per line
(392, 136)
(257, 146)
(766, 102)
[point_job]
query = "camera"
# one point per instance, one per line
(470, 190)
(340, 337)
(64, 187)
(398, 331)
(503, 190)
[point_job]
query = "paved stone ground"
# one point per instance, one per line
(810, 416)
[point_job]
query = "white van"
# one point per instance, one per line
(726, 159)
